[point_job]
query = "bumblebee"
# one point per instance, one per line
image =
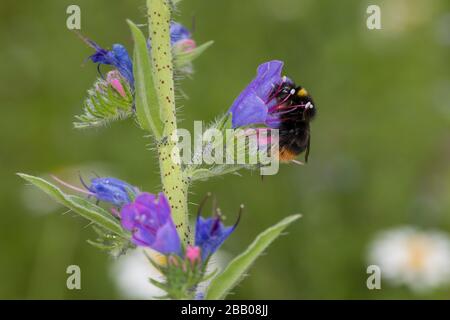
(294, 109)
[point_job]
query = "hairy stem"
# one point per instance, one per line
(175, 184)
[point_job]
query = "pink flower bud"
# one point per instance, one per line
(193, 254)
(113, 78)
(186, 45)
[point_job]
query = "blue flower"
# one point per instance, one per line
(210, 233)
(111, 190)
(150, 221)
(180, 38)
(117, 57)
(107, 189)
(178, 33)
(256, 102)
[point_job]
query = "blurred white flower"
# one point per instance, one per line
(131, 273)
(217, 263)
(406, 15)
(417, 259)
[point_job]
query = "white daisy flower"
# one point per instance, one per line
(132, 271)
(408, 256)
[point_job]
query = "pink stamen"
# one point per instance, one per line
(275, 92)
(287, 108)
(71, 186)
(286, 98)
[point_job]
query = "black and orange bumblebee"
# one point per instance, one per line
(294, 109)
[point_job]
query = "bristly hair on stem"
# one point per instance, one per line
(175, 184)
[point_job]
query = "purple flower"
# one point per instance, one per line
(254, 105)
(180, 38)
(111, 190)
(210, 233)
(117, 57)
(178, 33)
(149, 219)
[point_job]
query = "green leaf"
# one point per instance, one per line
(79, 205)
(225, 122)
(222, 284)
(102, 246)
(181, 59)
(145, 96)
(203, 174)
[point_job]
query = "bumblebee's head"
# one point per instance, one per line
(303, 97)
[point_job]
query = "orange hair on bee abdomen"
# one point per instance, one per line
(286, 155)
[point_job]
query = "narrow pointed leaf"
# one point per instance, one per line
(222, 284)
(79, 205)
(147, 109)
(181, 59)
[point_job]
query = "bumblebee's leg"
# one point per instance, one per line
(297, 162)
(308, 147)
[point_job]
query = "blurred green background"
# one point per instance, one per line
(380, 144)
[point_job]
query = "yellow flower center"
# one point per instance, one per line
(419, 250)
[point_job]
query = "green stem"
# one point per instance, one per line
(175, 184)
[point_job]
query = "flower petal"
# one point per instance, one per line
(268, 75)
(178, 32)
(210, 234)
(167, 240)
(128, 215)
(248, 109)
(149, 219)
(142, 237)
(251, 106)
(123, 62)
(112, 190)
(117, 57)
